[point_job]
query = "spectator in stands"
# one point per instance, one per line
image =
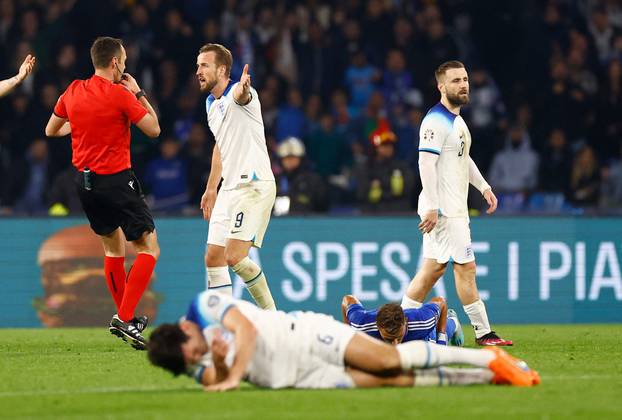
(299, 191)
(611, 187)
(197, 153)
(556, 164)
(585, 179)
(515, 168)
(385, 184)
(167, 178)
(30, 179)
(291, 118)
(360, 80)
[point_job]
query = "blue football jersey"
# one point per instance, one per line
(421, 321)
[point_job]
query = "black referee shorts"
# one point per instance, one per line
(114, 201)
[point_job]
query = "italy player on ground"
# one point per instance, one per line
(393, 324)
(446, 170)
(222, 341)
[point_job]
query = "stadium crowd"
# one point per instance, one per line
(344, 86)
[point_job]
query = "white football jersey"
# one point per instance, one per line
(240, 137)
(447, 135)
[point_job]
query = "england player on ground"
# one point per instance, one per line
(239, 213)
(222, 341)
(394, 324)
(446, 170)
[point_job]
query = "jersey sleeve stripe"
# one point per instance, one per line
(434, 151)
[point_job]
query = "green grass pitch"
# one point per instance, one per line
(87, 373)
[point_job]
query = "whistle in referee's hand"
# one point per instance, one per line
(87, 178)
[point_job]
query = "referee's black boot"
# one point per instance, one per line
(128, 332)
(140, 322)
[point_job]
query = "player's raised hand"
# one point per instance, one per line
(26, 68)
(429, 221)
(245, 79)
(208, 200)
(242, 93)
(491, 199)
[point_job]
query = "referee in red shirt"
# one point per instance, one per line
(97, 113)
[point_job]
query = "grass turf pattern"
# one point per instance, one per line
(88, 373)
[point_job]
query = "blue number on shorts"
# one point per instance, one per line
(238, 219)
(325, 339)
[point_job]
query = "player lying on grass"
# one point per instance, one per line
(394, 324)
(222, 341)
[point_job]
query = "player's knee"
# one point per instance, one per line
(232, 258)
(214, 259)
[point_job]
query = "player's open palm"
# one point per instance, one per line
(429, 221)
(208, 200)
(491, 199)
(26, 67)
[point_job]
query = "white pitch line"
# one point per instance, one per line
(545, 379)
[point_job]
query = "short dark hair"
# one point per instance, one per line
(391, 318)
(164, 348)
(442, 69)
(103, 49)
(223, 55)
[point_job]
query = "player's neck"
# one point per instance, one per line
(105, 73)
(220, 87)
(451, 108)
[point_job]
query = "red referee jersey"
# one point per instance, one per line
(100, 113)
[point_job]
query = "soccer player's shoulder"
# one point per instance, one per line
(439, 117)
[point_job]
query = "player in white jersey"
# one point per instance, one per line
(446, 170)
(239, 213)
(222, 341)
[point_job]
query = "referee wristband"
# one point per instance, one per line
(140, 94)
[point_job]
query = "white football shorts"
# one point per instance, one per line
(306, 351)
(450, 238)
(242, 213)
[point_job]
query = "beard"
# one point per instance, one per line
(208, 86)
(458, 99)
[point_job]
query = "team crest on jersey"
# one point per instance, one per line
(428, 134)
(213, 301)
(221, 108)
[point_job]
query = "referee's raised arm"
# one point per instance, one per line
(148, 124)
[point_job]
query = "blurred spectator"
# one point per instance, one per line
(290, 121)
(515, 168)
(385, 184)
(611, 188)
(166, 178)
(327, 148)
(360, 80)
(29, 180)
(397, 82)
(555, 168)
(299, 191)
(602, 32)
(197, 152)
(63, 199)
(585, 179)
